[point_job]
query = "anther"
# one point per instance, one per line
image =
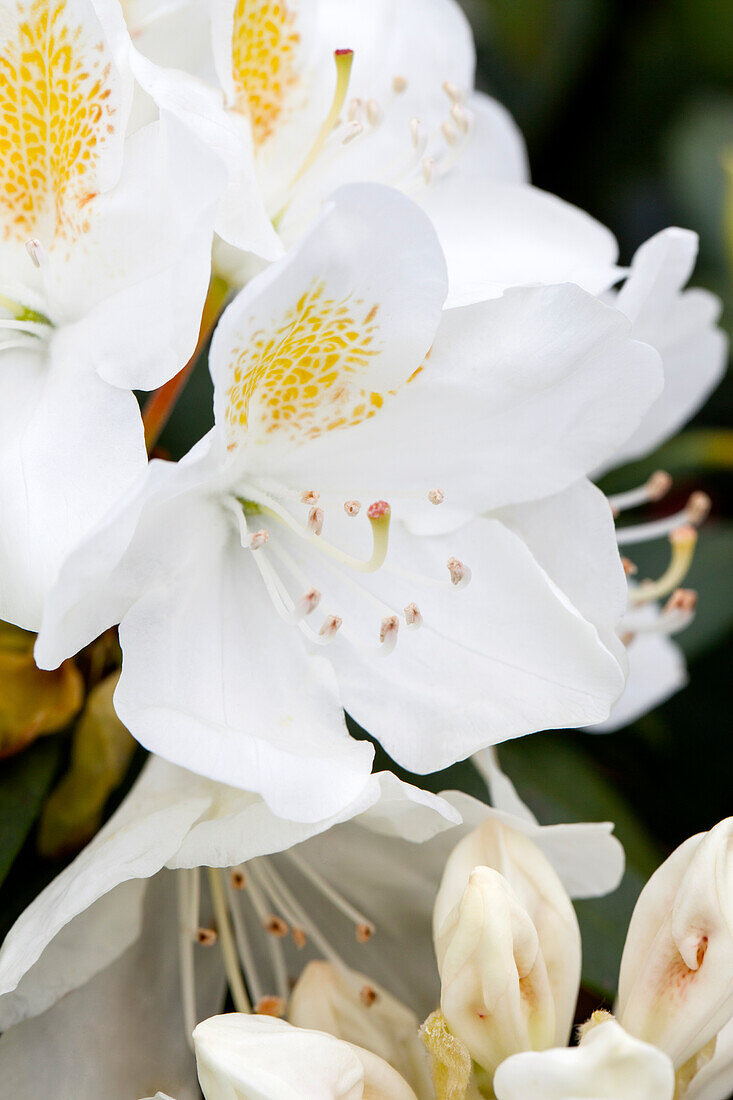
(37, 252)
(452, 91)
(658, 485)
(413, 616)
(399, 84)
(698, 508)
(300, 938)
(315, 521)
(351, 131)
(629, 568)
(459, 116)
(416, 131)
(368, 995)
(258, 539)
(355, 109)
(310, 496)
(330, 626)
(271, 1005)
(460, 574)
(308, 602)
(449, 133)
(388, 633)
(653, 489)
(352, 507)
(276, 926)
(682, 599)
(238, 879)
(428, 164)
(364, 932)
(373, 112)
(206, 936)
(436, 496)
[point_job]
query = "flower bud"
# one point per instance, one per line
(241, 1057)
(540, 895)
(351, 1007)
(496, 995)
(607, 1063)
(676, 980)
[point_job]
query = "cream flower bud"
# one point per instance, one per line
(676, 980)
(241, 1057)
(540, 894)
(607, 1065)
(352, 1007)
(495, 990)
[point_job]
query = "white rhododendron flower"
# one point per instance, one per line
(250, 609)
(607, 1065)
(397, 107)
(676, 980)
(105, 241)
(350, 891)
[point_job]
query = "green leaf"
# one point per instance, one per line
(24, 782)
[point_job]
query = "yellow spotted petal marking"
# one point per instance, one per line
(305, 376)
(56, 115)
(263, 61)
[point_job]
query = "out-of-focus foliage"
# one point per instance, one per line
(101, 753)
(32, 702)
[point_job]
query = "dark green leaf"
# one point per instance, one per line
(24, 783)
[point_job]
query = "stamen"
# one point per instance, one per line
(344, 60)
(683, 542)
(452, 91)
(315, 521)
(244, 947)
(276, 926)
(238, 878)
(388, 633)
(428, 163)
(449, 133)
(399, 84)
(352, 507)
(258, 539)
(356, 108)
(364, 928)
(271, 1006)
(694, 512)
(460, 117)
(274, 943)
(629, 568)
(416, 131)
(368, 995)
(187, 883)
(373, 112)
(656, 487)
(413, 616)
(460, 574)
(310, 496)
(351, 131)
(436, 496)
(299, 938)
(37, 253)
(308, 602)
(228, 944)
(330, 627)
(207, 937)
(678, 613)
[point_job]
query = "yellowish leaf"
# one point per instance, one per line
(101, 752)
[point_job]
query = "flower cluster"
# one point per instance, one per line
(419, 362)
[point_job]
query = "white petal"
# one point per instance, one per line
(121, 1035)
(681, 324)
(91, 912)
(608, 1065)
(534, 387)
(715, 1079)
(503, 657)
(657, 670)
(374, 256)
(137, 280)
(70, 446)
(263, 1057)
(214, 681)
